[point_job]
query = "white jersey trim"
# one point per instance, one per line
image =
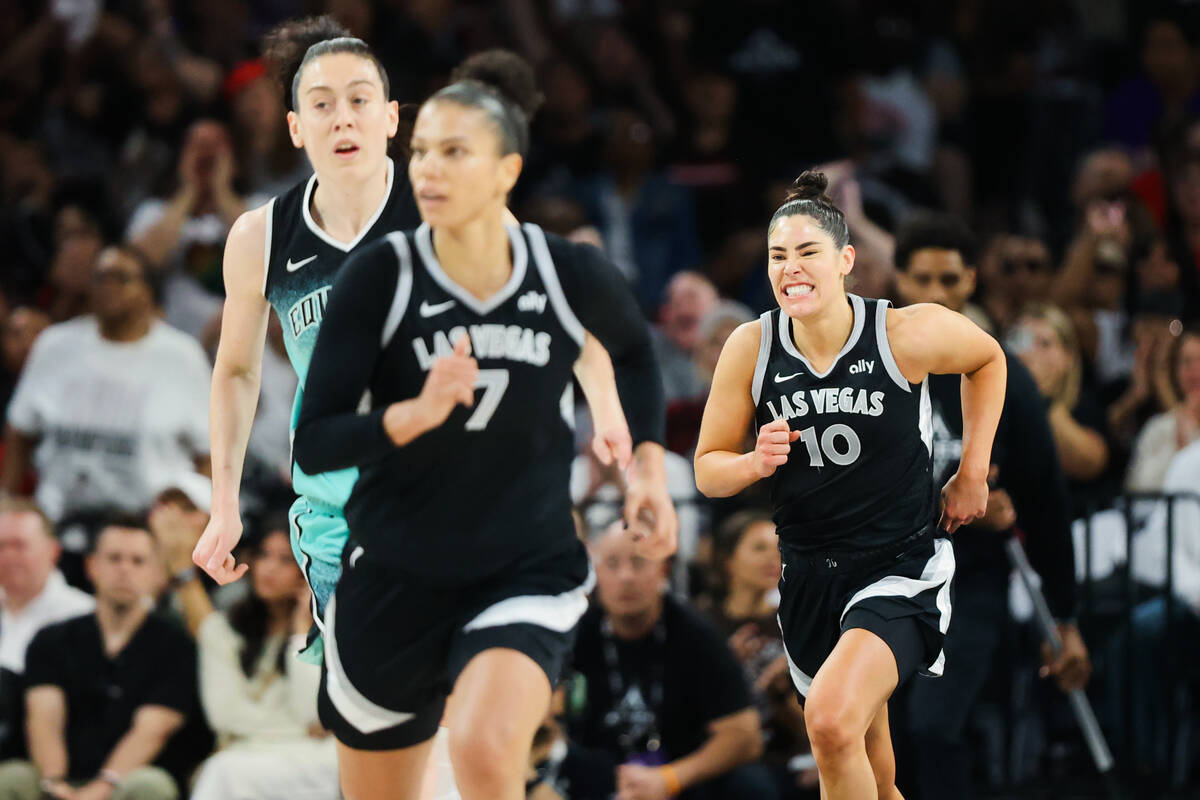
(267, 244)
(925, 420)
(938, 574)
(549, 273)
(764, 355)
(558, 613)
(800, 680)
(346, 247)
(364, 715)
(789, 344)
(520, 258)
(404, 281)
(885, 347)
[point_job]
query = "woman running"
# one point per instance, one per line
(285, 256)
(865, 590)
(463, 571)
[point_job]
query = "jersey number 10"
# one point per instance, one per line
(830, 446)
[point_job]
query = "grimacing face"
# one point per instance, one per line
(342, 118)
(456, 169)
(937, 276)
(805, 266)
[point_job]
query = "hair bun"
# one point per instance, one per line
(285, 45)
(505, 72)
(810, 185)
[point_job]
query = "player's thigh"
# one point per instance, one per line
(500, 698)
(850, 687)
(383, 774)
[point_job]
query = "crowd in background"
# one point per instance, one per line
(1053, 145)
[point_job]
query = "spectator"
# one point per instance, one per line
(933, 256)
(1044, 339)
(747, 572)
(667, 700)
(18, 330)
(1151, 387)
(184, 236)
(1172, 430)
(1014, 271)
(559, 768)
(114, 403)
(688, 298)
(267, 161)
(647, 223)
(260, 700)
(35, 595)
(111, 694)
(177, 518)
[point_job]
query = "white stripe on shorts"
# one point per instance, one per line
(559, 612)
(938, 572)
(364, 715)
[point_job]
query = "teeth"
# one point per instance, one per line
(798, 290)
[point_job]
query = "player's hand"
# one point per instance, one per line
(214, 551)
(649, 513)
(635, 782)
(772, 447)
(612, 443)
(1073, 666)
(964, 499)
(451, 381)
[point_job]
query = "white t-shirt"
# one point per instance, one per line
(57, 602)
(116, 420)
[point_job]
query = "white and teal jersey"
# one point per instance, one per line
(302, 263)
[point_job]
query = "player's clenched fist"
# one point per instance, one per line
(451, 380)
(772, 447)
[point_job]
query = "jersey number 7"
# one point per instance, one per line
(494, 383)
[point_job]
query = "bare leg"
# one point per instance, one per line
(847, 694)
(882, 757)
(383, 774)
(500, 699)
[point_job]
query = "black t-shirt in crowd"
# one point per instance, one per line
(156, 667)
(700, 681)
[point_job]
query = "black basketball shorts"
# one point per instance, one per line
(901, 593)
(394, 646)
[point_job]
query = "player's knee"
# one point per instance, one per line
(488, 754)
(831, 726)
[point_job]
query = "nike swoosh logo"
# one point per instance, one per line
(781, 378)
(292, 266)
(428, 310)
(355, 556)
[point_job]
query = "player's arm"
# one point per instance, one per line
(236, 381)
(611, 440)
(929, 338)
(605, 306)
(331, 434)
(722, 467)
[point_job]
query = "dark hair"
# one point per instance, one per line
(120, 519)
(289, 46)
(501, 84)
(250, 618)
(936, 231)
(726, 538)
(1190, 331)
(807, 196)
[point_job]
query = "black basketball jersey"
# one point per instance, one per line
(860, 475)
(302, 262)
(489, 486)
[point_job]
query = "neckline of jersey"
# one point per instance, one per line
(520, 256)
(789, 343)
(324, 236)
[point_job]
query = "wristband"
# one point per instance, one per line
(50, 784)
(111, 777)
(671, 778)
(185, 575)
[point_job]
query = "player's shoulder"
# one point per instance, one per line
(564, 252)
(747, 338)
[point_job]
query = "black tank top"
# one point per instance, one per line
(860, 475)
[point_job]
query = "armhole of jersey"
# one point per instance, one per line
(267, 246)
(546, 268)
(885, 349)
(404, 281)
(764, 355)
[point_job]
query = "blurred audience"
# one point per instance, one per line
(1170, 431)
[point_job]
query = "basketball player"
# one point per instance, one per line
(837, 387)
(285, 256)
(463, 571)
